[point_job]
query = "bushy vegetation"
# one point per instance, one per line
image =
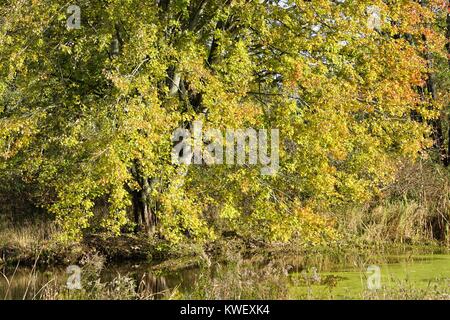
(87, 116)
(413, 209)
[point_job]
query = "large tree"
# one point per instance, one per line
(87, 115)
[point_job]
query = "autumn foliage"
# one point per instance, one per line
(87, 115)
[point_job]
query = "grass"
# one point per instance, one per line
(25, 234)
(415, 209)
(24, 241)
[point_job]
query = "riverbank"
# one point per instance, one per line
(135, 266)
(165, 256)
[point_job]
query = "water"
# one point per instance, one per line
(273, 277)
(418, 272)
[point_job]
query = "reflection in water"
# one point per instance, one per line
(23, 283)
(153, 286)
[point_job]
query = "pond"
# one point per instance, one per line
(405, 275)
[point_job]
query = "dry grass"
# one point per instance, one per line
(26, 233)
(414, 209)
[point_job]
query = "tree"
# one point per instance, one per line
(435, 91)
(88, 114)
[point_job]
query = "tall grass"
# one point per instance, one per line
(26, 233)
(415, 208)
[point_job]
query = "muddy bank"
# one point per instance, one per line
(114, 249)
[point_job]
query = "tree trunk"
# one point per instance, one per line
(447, 160)
(144, 217)
(436, 124)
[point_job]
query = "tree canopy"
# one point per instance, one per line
(87, 115)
